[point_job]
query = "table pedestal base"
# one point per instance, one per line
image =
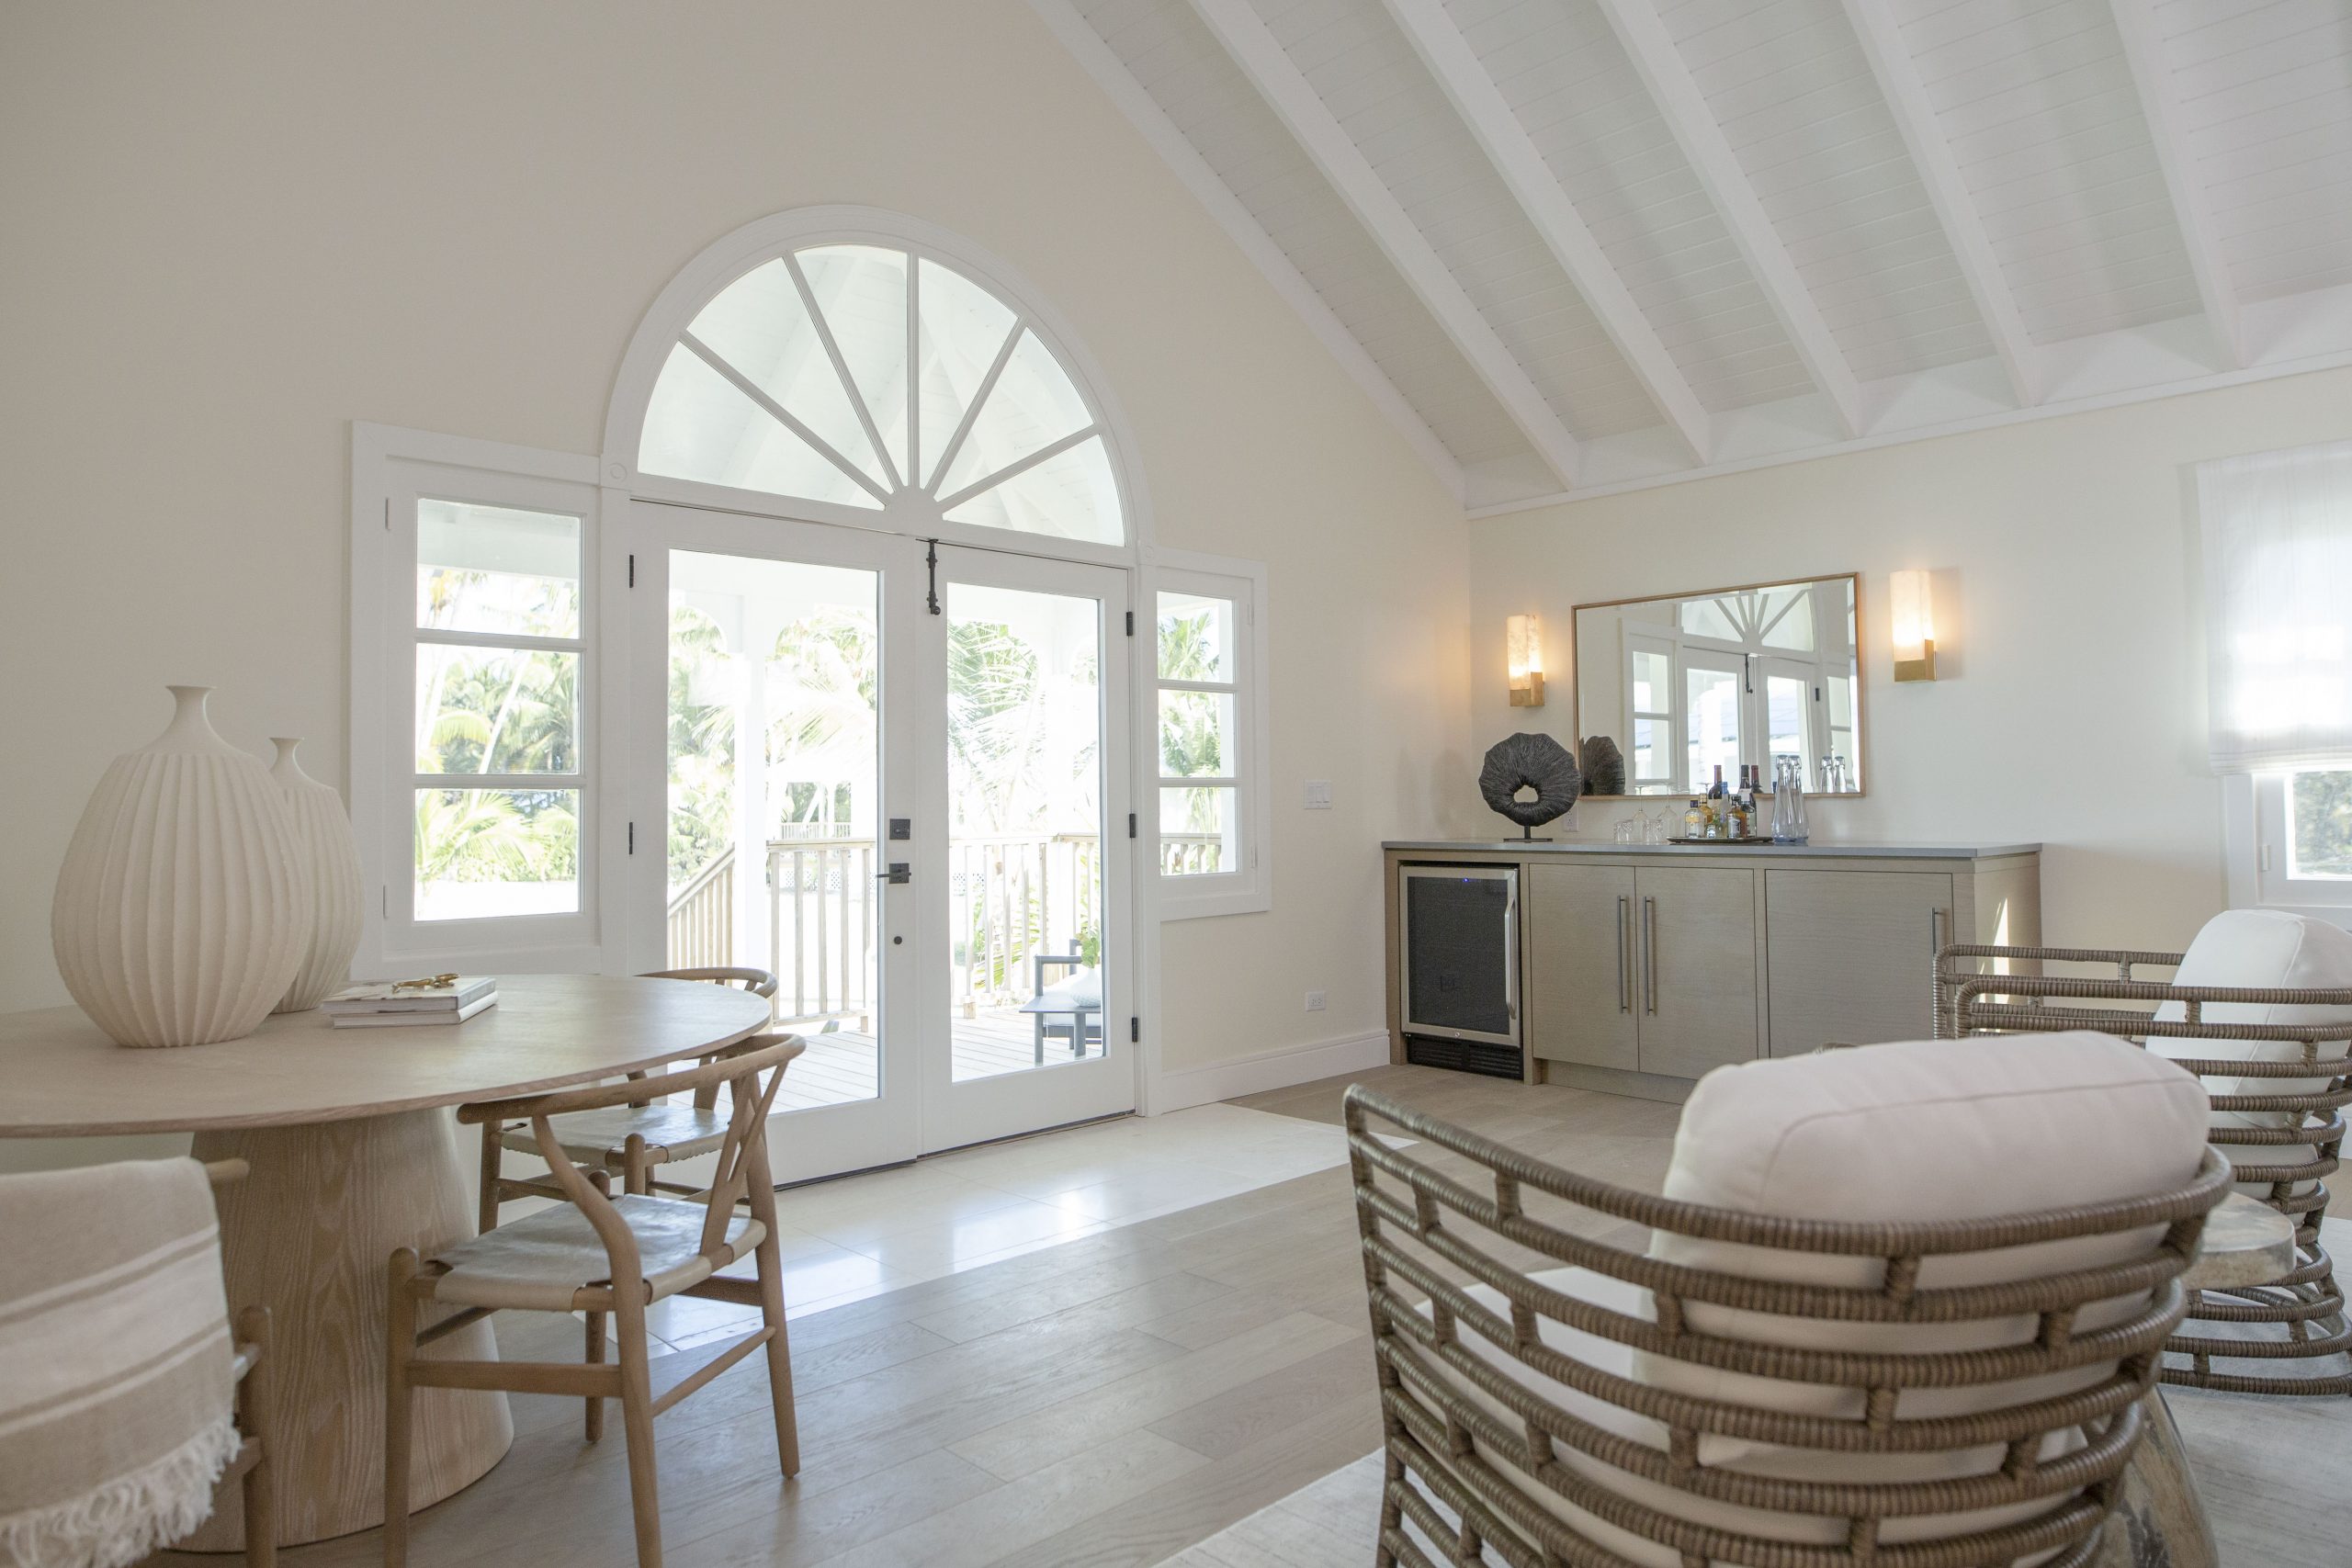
(2159, 1523)
(307, 1235)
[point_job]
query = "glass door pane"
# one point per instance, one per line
(1033, 1007)
(1024, 833)
(774, 746)
(788, 663)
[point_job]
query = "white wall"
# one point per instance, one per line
(2070, 706)
(232, 229)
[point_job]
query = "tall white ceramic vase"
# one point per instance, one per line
(180, 917)
(327, 857)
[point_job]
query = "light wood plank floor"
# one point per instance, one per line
(1106, 1402)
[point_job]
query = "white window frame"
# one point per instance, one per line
(389, 469)
(1248, 888)
(2254, 836)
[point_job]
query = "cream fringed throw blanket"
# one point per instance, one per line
(116, 1383)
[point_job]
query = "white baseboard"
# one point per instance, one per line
(1270, 1069)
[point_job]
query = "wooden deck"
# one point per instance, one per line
(839, 1067)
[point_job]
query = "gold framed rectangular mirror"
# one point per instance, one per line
(1685, 683)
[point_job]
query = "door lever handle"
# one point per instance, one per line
(898, 873)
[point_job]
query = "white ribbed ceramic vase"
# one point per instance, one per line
(180, 915)
(327, 857)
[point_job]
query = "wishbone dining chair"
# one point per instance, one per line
(630, 1139)
(598, 1254)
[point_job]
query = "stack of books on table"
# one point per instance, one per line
(445, 998)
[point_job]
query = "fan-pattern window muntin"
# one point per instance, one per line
(880, 377)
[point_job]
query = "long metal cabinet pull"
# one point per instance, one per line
(1649, 952)
(1624, 988)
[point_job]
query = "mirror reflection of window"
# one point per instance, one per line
(1756, 677)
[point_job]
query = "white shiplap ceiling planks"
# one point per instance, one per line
(1573, 246)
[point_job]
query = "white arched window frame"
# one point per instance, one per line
(875, 485)
(390, 465)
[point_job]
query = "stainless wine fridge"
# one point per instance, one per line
(1460, 979)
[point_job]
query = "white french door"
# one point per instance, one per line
(1029, 1018)
(900, 784)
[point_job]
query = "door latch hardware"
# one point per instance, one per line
(901, 828)
(899, 872)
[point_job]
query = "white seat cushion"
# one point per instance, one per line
(547, 1261)
(2269, 949)
(1931, 1131)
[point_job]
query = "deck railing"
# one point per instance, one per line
(1011, 897)
(702, 916)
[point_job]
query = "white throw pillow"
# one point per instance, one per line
(2264, 949)
(1937, 1130)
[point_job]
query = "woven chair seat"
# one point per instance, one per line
(671, 1133)
(554, 1261)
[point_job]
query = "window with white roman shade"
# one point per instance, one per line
(2278, 533)
(2277, 553)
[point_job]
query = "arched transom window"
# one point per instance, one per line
(880, 377)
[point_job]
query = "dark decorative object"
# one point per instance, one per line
(1530, 761)
(1604, 766)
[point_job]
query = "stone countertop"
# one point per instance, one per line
(1844, 849)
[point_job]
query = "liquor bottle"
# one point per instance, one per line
(1694, 821)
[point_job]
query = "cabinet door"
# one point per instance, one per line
(1580, 980)
(1698, 974)
(1853, 953)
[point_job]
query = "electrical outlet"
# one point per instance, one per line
(1318, 794)
(1315, 1001)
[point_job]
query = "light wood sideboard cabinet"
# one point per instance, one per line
(1642, 966)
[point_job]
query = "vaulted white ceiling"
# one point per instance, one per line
(1573, 246)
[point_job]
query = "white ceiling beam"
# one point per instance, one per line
(1907, 97)
(1177, 151)
(1701, 136)
(1509, 148)
(2144, 52)
(1294, 101)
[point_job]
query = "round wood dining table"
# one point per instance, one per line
(353, 1153)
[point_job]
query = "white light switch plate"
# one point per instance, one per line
(1318, 794)
(1316, 1001)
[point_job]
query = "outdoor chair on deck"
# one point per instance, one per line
(1071, 1010)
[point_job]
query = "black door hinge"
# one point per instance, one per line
(1131, 623)
(632, 838)
(1135, 1030)
(1131, 824)
(632, 571)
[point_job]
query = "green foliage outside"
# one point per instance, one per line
(2322, 808)
(496, 710)
(1190, 742)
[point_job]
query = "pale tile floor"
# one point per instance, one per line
(846, 1240)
